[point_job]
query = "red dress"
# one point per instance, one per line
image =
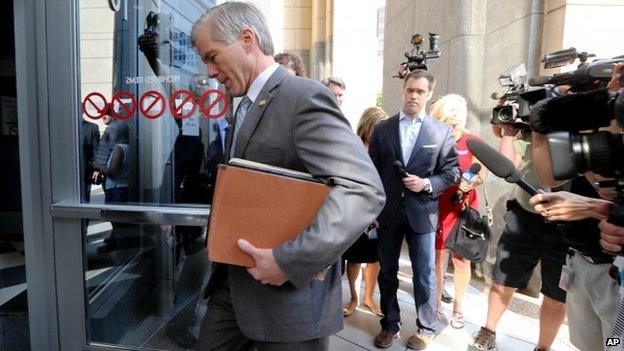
(448, 212)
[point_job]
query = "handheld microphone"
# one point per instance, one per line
(469, 177)
(399, 166)
(498, 164)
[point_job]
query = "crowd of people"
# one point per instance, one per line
(394, 181)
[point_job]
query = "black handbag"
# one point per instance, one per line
(470, 237)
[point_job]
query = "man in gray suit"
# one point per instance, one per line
(291, 299)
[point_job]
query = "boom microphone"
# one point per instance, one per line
(498, 164)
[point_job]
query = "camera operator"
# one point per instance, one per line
(587, 275)
(526, 240)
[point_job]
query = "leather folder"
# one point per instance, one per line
(263, 204)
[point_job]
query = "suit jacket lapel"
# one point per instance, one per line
(423, 137)
(396, 138)
(256, 111)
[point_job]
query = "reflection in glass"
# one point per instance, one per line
(144, 50)
(142, 293)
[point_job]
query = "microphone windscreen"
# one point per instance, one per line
(498, 164)
(475, 168)
(539, 80)
(514, 177)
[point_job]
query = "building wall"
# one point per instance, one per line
(297, 29)
(355, 56)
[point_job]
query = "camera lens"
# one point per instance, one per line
(503, 114)
(598, 152)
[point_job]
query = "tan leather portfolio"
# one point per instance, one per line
(263, 204)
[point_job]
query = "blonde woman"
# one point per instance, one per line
(364, 250)
(452, 110)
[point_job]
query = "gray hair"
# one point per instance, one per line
(229, 19)
(334, 80)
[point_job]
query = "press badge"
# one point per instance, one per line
(567, 276)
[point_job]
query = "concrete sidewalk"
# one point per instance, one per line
(517, 331)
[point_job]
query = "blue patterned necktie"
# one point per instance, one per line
(409, 139)
(241, 112)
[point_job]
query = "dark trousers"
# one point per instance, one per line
(116, 195)
(220, 332)
(422, 257)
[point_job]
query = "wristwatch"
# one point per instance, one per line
(428, 188)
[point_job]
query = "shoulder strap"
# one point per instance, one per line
(488, 208)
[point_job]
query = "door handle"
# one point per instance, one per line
(194, 216)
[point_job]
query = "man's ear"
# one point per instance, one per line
(248, 37)
(429, 95)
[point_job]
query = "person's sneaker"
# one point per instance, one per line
(385, 339)
(446, 297)
(484, 340)
(419, 341)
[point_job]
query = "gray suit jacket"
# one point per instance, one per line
(295, 123)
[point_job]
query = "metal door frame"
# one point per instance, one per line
(48, 78)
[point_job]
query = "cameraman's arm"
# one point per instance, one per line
(149, 44)
(614, 83)
(540, 153)
(507, 133)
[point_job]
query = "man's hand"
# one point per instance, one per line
(566, 206)
(414, 183)
(501, 130)
(149, 44)
(611, 236)
(266, 270)
(466, 187)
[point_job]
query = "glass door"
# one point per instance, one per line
(14, 326)
(130, 226)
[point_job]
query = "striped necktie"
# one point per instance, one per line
(241, 112)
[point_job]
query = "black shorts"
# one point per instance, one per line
(527, 240)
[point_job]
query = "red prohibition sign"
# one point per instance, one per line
(89, 98)
(157, 96)
(187, 96)
(123, 94)
(221, 97)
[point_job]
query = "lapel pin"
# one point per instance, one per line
(262, 103)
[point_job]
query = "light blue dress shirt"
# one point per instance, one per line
(409, 128)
